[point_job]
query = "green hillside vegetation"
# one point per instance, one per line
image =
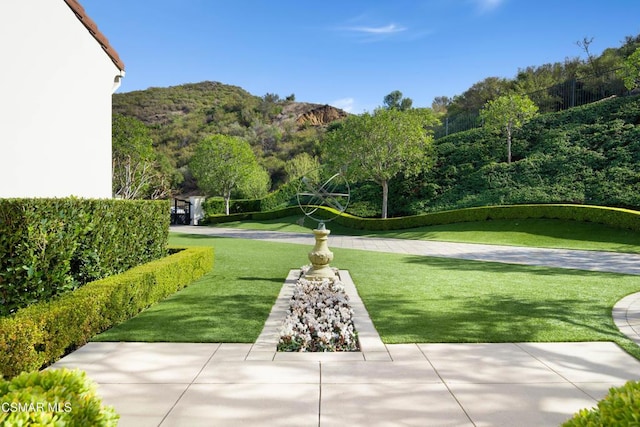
(179, 117)
(588, 154)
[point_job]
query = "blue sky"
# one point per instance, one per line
(351, 53)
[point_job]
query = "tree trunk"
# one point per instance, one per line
(509, 145)
(227, 197)
(385, 198)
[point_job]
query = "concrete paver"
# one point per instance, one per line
(501, 384)
(536, 384)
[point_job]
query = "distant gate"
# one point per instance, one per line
(181, 212)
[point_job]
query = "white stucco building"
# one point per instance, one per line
(56, 80)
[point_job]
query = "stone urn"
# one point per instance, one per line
(320, 256)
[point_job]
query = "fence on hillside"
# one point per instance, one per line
(562, 96)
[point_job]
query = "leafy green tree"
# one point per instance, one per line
(302, 165)
(440, 105)
(222, 164)
(507, 114)
(630, 72)
(395, 101)
(472, 100)
(132, 158)
(380, 146)
(257, 184)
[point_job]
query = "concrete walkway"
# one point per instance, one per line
(514, 384)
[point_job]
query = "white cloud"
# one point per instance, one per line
(387, 29)
(488, 5)
(345, 104)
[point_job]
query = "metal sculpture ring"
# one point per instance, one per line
(333, 193)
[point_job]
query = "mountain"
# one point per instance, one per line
(180, 116)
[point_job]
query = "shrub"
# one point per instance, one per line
(53, 398)
(620, 407)
(51, 246)
(215, 206)
(613, 217)
(40, 334)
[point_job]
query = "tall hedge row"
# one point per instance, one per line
(50, 246)
(40, 334)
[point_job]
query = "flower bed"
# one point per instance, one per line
(319, 318)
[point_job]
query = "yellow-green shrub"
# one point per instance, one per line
(53, 398)
(40, 334)
(620, 407)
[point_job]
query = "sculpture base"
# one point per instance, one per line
(321, 256)
(321, 272)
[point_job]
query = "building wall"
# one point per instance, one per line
(56, 84)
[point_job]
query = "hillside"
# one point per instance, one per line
(588, 154)
(179, 116)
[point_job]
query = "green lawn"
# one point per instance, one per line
(543, 233)
(409, 298)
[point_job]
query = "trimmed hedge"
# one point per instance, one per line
(59, 397)
(51, 246)
(613, 217)
(282, 197)
(40, 334)
(620, 407)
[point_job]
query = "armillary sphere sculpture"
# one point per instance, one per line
(314, 193)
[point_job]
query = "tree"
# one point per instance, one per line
(630, 72)
(302, 165)
(257, 184)
(395, 101)
(472, 100)
(380, 146)
(440, 105)
(222, 164)
(507, 114)
(132, 157)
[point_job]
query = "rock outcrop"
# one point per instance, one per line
(320, 115)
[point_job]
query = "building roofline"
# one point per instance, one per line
(90, 25)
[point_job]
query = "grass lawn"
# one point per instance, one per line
(409, 298)
(543, 233)
(229, 304)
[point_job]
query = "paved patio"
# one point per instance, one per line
(521, 384)
(224, 384)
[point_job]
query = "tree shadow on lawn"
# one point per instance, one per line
(489, 319)
(500, 267)
(279, 280)
(196, 318)
(450, 300)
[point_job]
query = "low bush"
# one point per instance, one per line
(51, 246)
(53, 398)
(40, 334)
(215, 206)
(620, 407)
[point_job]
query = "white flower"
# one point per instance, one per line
(319, 318)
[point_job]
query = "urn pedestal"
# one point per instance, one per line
(320, 256)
